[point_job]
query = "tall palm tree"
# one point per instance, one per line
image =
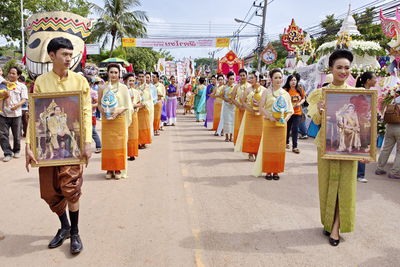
(117, 21)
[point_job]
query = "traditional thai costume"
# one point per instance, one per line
(217, 109)
(250, 130)
(172, 103)
(158, 106)
(228, 110)
(209, 106)
(239, 113)
(114, 132)
(133, 130)
(336, 178)
(200, 102)
(271, 156)
(144, 115)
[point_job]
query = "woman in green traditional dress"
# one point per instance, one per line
(336, 178)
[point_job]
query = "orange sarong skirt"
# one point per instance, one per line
(238, 120)
(133, 136)
(114, 139)
(157, 115)
(252, 133)
(217, 114)
(274, 145)
(144, 126)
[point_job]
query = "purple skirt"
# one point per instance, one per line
(164, 111)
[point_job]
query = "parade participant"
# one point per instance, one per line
(154, 98)
(218, 121)
(133, 130)
(187, 87)
(210, 103)
(237, 94)
(298, 98)
(11, 114)
(250, 130)
(228, 107)
(61, 185)
(366, 80)
(172, 102)
(335, 177)
(144, 111)
(274, 101)
(200, 100)
(94, 96)
(116, 109)
(159, 102)
(189, 102)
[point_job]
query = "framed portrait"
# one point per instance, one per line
(56, 125)
(349, 124)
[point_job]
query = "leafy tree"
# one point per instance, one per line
(142, 58)
(331, 27)
(117, 21)
(10, 15)
(369, 30)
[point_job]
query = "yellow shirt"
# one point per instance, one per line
(50, 82)
(144, 90)
(136, 96)
(240, 90)
(123, 98)
(272, 96)
(160, 90)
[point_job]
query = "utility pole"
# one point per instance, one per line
(261, 41)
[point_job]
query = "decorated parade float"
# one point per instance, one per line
(42, 27)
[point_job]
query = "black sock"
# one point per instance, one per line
(74, 217)
(64, 221)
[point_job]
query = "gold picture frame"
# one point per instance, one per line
(349, 124)
(56, 128)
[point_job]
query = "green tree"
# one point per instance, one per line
(331, 27)
(369, 30)
(117, 21)
(10, 15)
(142, 58)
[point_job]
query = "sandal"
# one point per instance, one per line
(275, 177)
(296, 150)
(109, 175)
(252, 158)
(268, 177)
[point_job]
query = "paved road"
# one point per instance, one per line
(190, 201)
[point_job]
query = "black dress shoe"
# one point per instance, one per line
(131, 158)
(76, 244)
(275, 177)
(268, 177)
(326, 233)
(334, 242)
(59, 238)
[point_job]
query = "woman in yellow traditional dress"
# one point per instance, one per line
(237, 94)
(133, 130)
(116, 109)
(144, 113)
(250, 130)
(276, 107)
(336, 178)
(218, 104)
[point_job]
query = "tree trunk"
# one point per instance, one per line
(112, 44)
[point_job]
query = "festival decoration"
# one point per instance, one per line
(292, 37)
(230, 62)
(269, 54)
(42, 27)
(391, 28)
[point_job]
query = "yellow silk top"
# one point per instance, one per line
(240, 90)
(160, 90)
(50, 82)
(219, 92)
(144, 90)
(123, 98)
(251, 94)
(313, 99)
(272, 96)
